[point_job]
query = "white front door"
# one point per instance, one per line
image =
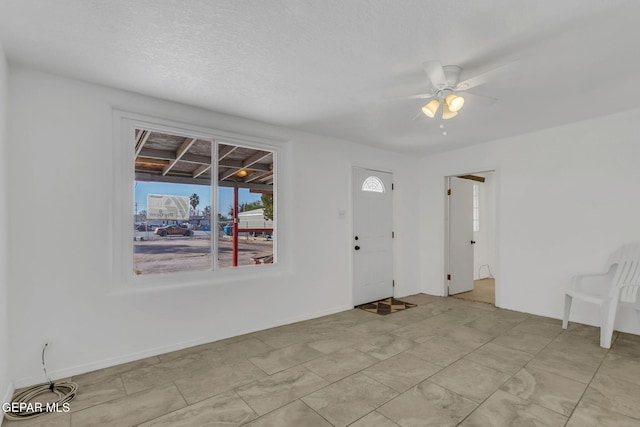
(372, 244)
(460, 235)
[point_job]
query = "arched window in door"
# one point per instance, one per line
(374, 184)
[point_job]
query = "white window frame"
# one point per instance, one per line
(122, 234)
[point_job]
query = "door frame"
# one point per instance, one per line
(351, 228)
(495, 269)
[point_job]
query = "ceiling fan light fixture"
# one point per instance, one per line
(431, 108)
(447, 113)
(454, 102)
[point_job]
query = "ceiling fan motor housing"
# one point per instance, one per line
(452, 75)
(443, 93)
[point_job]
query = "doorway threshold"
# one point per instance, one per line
(484, 290)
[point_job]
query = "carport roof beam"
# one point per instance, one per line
(179, 153)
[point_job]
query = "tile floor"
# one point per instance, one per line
(446, 362)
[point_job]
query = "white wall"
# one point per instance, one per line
(61, 156)
(566, 198)
(5, 380)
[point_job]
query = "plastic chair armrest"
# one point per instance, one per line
(577, 281)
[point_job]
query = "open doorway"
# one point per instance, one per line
(470, 236)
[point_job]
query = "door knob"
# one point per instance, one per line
(473, 242)
(357, 248)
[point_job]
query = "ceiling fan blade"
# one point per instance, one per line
(473, 82)
(404, 98)
(480, 79)
(419, 116)
(435, 72)
(486, 99)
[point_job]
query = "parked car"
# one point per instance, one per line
(171, 230)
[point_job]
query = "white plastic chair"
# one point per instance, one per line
(619, 285)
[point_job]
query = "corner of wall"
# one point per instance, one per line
(6, 385)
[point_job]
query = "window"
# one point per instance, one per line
(245, 185)
(172, 230)
(476, 208)
(200, 203)
(373, 184)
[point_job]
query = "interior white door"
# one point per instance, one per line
(372, 243)
(460, 235)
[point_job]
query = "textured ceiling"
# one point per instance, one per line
(324, 66)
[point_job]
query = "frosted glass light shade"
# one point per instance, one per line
(431, 108)
(454, 102)
(447, 113)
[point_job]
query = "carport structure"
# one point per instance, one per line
(162, 157)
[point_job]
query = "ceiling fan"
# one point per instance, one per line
(445, 86)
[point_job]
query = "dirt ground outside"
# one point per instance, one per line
(190, 254)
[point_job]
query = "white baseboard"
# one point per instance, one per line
(64, 373)
(70, 371)
(302, 318)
